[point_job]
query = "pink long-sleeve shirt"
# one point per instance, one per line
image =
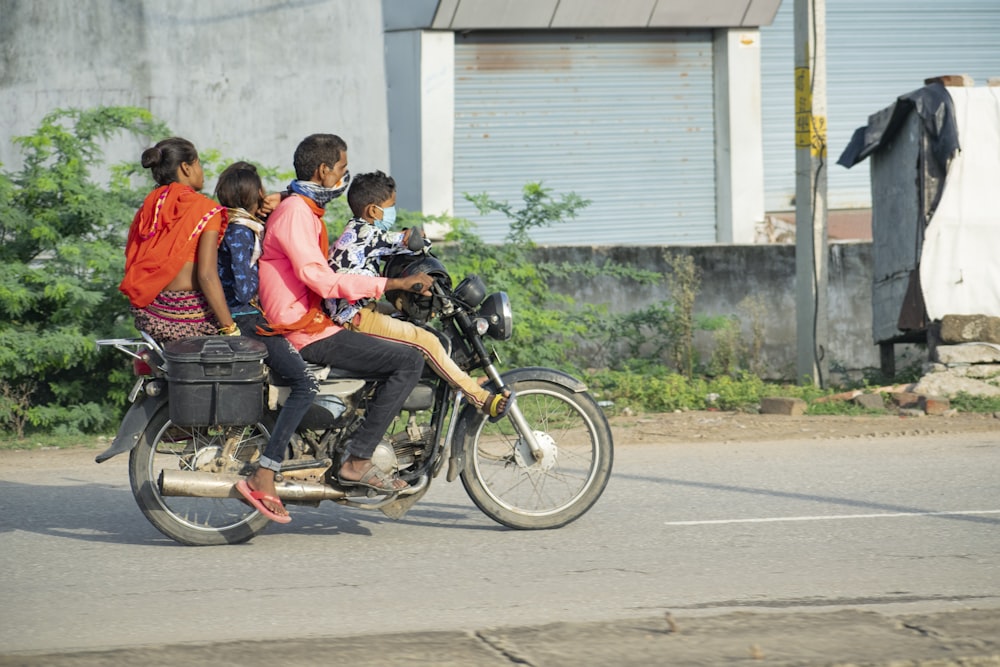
(292, 265)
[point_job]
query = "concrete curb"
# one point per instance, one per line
(845, 638)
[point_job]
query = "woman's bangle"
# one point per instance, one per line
(231, 330)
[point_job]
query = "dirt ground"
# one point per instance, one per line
(702, 426)
(677, 427)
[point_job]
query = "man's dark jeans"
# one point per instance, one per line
(368, 356)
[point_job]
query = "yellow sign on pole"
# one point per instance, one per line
(810, 130)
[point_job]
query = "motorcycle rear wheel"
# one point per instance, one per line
(189, 520)
(505, 481)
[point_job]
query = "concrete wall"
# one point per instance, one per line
(730, 274)
(250, 78)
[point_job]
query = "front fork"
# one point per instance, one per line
(514, 413)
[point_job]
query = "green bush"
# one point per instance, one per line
(61, 259)
(969, 403)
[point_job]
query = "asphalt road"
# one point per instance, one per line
(706, 532)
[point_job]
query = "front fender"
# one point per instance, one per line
(470, 415)
(543, 374)
(133, 425)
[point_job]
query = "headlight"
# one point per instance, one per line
(471, 291)
(496, 311)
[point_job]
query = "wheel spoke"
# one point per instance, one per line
(195, 520)
(204, 450)
(509, 472)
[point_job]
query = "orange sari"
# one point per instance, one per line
(163, 236)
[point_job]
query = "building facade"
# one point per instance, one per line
(673, 117)
(650, 110)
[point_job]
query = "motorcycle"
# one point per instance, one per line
(540, 467)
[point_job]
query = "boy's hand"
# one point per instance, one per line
(418, 282)
(268, 204)
(413, 239)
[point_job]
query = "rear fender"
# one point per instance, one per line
(133, 425)
(470, 416)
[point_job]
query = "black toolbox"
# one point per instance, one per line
(215, 380)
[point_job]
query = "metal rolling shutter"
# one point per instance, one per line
(877, 50)
(622, 119)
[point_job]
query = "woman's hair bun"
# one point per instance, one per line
(151, 157)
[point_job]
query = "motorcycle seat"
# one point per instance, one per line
(325, 374)
(332, 373)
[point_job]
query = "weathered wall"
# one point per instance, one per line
(250, 78)
(732, 273)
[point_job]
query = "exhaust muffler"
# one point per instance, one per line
(214, 485)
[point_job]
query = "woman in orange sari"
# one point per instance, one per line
(171, 278)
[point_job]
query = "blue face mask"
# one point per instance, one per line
(388, 218)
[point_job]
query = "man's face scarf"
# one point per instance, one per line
(317, 192)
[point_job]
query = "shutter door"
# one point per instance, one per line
(877, 50)
(624, 120)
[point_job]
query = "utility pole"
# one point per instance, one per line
(811, 243)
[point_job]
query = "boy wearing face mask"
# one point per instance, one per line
(367, 241)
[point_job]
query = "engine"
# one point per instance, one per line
(402, 450)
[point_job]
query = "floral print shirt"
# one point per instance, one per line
(361, 249)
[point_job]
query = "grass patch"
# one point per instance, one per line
(969, 403)
(652, 390)
(55, 441)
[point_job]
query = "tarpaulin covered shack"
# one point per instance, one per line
(935, 178)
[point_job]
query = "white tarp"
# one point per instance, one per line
(960, 260)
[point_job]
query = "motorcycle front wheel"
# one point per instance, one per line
(517, 489)
(196, 521)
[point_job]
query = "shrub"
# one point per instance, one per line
(61, 241)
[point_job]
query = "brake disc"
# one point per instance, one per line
(524, 457)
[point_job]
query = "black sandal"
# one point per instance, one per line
(374, 479)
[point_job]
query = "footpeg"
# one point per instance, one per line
(305, 464)
(308, 470)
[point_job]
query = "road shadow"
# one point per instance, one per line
(108, 514)
(89, 512)
(833, 500)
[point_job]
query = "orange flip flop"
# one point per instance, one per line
(254, 498)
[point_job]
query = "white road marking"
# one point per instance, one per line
(828, 517)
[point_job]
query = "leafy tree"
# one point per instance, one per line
(540, 210)
(541, 324)
(61, 258)
(550, 329)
